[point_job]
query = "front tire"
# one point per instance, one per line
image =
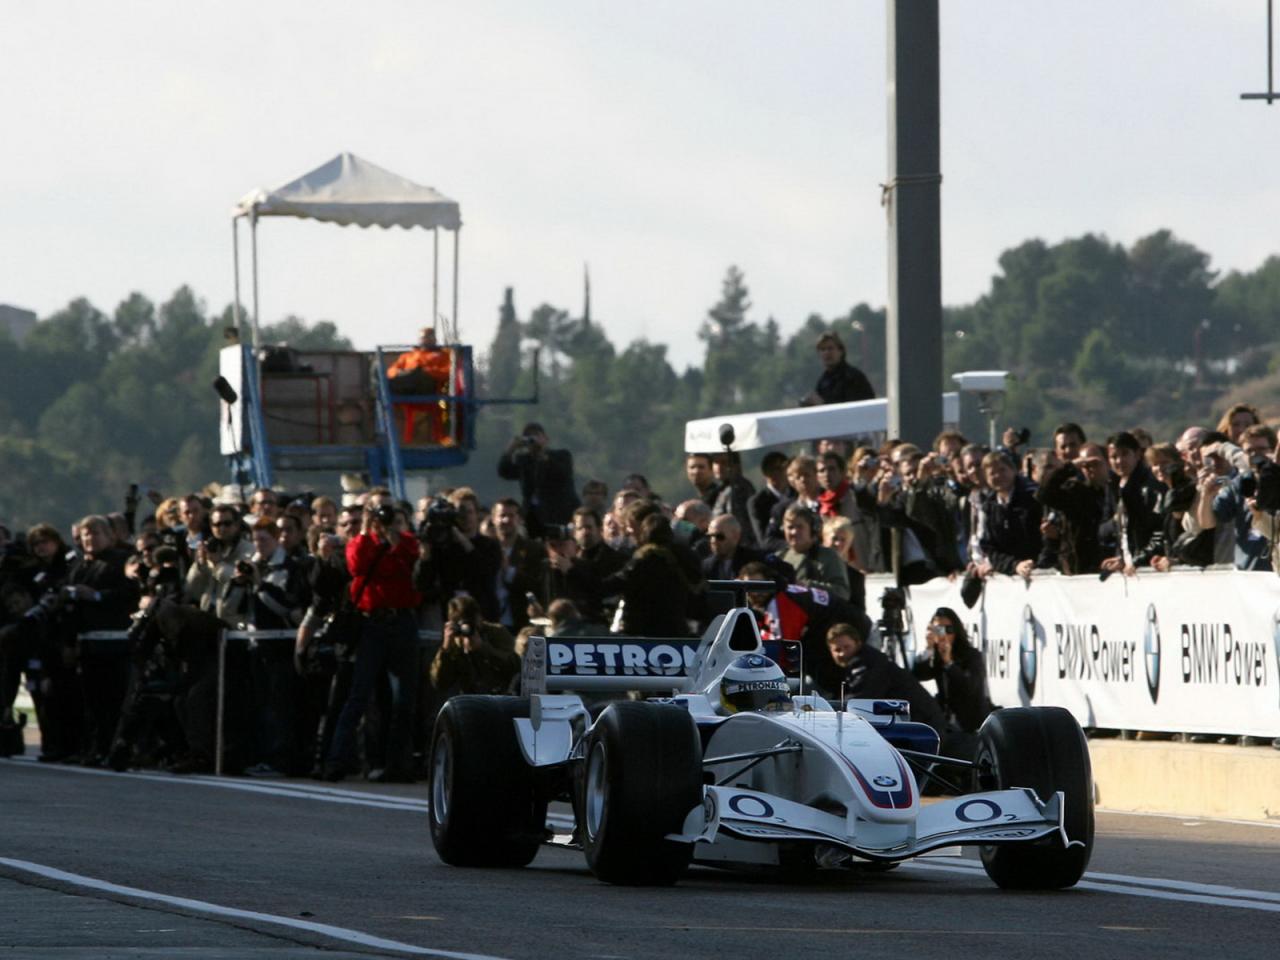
(641, 778)
(1042, 748)
(486, 810)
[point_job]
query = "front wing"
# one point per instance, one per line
(1000, 816)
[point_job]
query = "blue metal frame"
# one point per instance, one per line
(387, 426)
(385, 460)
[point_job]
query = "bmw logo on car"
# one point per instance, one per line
(1028, 654)
(883, 781)
(1151, 652)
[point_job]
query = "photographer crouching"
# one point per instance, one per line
(381, 561)
(475, 656)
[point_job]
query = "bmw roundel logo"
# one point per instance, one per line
(754, 660)
(1151, 652)
(885, 781)
(1028, 652)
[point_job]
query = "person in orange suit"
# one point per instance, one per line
(425, 369)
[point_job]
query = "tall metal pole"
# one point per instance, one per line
(253, 236)
(457, 240)
(435, 275)
(235, 263)
(914, 350)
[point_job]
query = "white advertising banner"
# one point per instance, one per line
(1192, 652)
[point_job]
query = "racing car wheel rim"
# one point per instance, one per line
(594, 798)
(441, 774)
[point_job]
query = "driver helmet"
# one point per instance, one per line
(752, 683)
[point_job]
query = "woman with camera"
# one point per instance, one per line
(958, 669)
(381, 559)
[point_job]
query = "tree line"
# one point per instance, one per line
(1093, 331)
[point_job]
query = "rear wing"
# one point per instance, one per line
(608, 664)
(617, 664)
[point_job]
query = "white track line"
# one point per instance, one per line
(217, 910)
(296, 791)
(1133, 887)
(1157, 887)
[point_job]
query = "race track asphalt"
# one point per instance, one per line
(103, 866)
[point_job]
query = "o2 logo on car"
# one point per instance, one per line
(978, 811)
(746, 805)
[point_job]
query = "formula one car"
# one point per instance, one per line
(731, 770)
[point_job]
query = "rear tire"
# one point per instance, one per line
(486, 810)
(641, 778)
(1042, 748)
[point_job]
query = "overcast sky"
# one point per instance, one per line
(660, 141)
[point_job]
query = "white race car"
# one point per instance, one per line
(729, 769)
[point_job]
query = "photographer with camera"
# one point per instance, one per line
(325, 645)
(956, 665)
(915, 503)
(31, 577)
(149, 730)
(475, 656)
(381, 560)
(1167, 546)
(97, 596)
(1075, 497)
(1243, 502)
(547, 493)
(214, 566)
(456, 557)
(862, 672)
(579, 566)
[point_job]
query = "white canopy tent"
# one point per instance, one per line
(771, 428)
(350, 191)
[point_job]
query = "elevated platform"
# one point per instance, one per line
(335, 411)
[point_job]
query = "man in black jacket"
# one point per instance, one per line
(840, 382)
(1075, 498)
(462, 560)
(865, 673)
(1136, 493)
(579, 567)
(1011, 518)
(99, 596)
(546, 478)
(776, 490)
(728, 553)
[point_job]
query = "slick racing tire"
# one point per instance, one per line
(486, 810)
(1042, 748)
(642, 775)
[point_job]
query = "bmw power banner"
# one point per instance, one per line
(1194, 652)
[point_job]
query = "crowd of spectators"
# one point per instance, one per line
(336, 597)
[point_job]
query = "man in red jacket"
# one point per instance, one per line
(381, 560)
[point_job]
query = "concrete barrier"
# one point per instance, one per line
(1187, 779)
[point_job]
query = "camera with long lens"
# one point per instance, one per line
(440, 522)
(1263, 484)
